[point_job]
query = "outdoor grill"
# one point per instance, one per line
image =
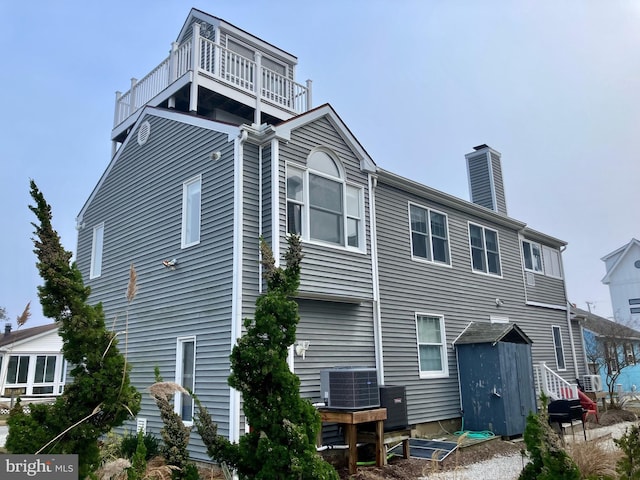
(566, 411)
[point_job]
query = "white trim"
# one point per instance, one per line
(375, 277)
(236, 294)
(275, 199)
(284, 130)
(177, 401)
(546, 305)
(185, 213)
(444, 355)
(98, 230)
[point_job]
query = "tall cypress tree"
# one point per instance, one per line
(284, 426)
(100, 396)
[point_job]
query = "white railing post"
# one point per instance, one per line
(132, 96)
(173, 63)
(173, 71)
(544, 378)
(309, 102)
(258, 86)
(116, 114)
(195, 66)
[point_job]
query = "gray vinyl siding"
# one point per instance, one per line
(140, 203)
(457, 293)
(340, 334)
(328, 270)
(578, 338)
(501, 202)
(547, 290)
(480, 181)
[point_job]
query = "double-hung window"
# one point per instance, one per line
(432, 347)
(191, 206)
(96, 251)
(429, 234)
(532, 254)
(185, 377)
(321, 206)
(485, 251)
(558, 347)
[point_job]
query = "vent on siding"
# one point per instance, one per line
(143, 133)
(531, 279)
(141, 425)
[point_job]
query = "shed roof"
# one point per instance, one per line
(487, 332)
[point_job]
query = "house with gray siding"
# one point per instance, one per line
(219, 146)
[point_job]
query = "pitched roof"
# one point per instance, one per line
(487, 332)
(602, 326)
(621, 253)
(284, 129)
(21, 335)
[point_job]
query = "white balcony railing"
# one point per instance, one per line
(553, 385)
(222, 65)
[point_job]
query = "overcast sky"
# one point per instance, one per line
(554, 86)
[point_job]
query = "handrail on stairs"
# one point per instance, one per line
(553, 385)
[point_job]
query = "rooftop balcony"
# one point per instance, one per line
(202, 76)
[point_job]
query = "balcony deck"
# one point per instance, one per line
(224, 74)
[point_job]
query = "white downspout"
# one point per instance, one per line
(236, 295)
(377, 324)
(566, 296)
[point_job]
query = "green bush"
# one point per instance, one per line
(549, 461)
(628, 466)
(129, 444)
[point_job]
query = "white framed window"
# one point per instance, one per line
(432, 347)
(551, 258)
(532, 256)
(429, 235)
(558, 347)
(97, 245)
(485, 250)
(185, 377)
(322, 206)
(36, 374)
(191, 211)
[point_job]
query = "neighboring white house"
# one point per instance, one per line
(31, 363)
(623, 279)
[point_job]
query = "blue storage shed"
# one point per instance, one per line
(495, 371)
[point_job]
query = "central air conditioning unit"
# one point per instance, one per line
(349, 388)
(592, 383)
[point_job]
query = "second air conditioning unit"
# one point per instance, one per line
(592, 383)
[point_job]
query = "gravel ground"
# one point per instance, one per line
(508, 467)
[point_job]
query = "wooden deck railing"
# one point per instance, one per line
(221, 64)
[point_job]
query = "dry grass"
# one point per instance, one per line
(594, 458)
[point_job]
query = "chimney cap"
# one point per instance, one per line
(481, 147)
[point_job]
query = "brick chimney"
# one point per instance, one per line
(7, 329)
(485, 178)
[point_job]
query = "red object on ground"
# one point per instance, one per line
(589, 405)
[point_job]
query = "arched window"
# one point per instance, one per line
(316, 200)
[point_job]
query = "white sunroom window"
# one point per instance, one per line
(532, 254)
(432, 348)
(321, 206)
